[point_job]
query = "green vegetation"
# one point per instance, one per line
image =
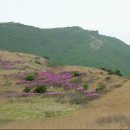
(76, 74)
(40, 89)
(85, 86)
(116, 72)
(29, 77)
(75, 80)
(70, 46)
(12, 109)
(100, 88)
(27, 89)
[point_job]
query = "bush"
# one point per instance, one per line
(100, 88)
(76, 74)
(75, 80)
(117, 72)
(38, 62)
(40, 89)
(27, 89)
(85, 86)
(108, 78)
(46, 57)
(29, 77)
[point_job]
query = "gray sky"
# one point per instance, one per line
(110, 17)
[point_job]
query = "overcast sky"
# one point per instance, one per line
(110, 17)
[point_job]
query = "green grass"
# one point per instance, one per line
(12, 109)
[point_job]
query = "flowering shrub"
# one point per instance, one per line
(80, 89)
(42, 80)
(47, 78)
(91, 94)
(53, 93)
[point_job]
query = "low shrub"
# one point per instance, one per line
(27, 90)
(85, 86)
(100, 88)
(40, 89)
(116, 72)
(75, 80)
(29, 77)
(107, 78)
(38, 62)
(46, 57)
(76, 74)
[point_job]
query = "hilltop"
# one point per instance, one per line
(69, 45)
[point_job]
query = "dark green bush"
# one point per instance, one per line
(116, 72)
(75, 80)
(40, 89)
(85, 86)
(38, 62)
(76, 74)
(46, 57)
(27, 89)
(29, 77)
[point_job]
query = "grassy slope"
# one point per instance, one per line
(30, 112)
(109, 112)
(71, 45)
(24, 108)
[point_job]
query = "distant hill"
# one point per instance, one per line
(69, 45)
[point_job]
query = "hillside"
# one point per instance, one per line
(109, 112)
(102, 103)
(70, 45)
(17, 63)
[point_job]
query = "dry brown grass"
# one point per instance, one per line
(29, 61)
